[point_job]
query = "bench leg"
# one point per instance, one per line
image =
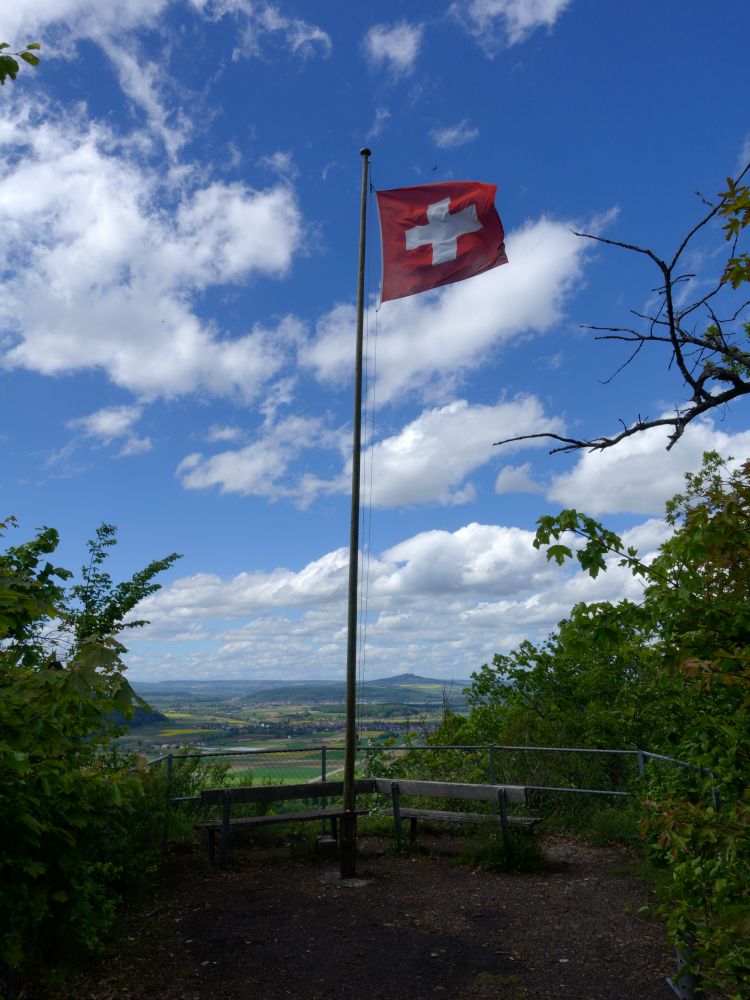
(395, 798)
(503, 818)
(334, 828)
(413, 830)
(211, 846)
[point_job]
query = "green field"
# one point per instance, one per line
(213, 715)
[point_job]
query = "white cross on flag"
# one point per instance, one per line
(436, 234)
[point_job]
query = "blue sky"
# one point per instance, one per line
(179, 188)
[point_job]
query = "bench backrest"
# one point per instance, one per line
(282, 793)
(514, 794)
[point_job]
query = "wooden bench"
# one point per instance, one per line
(500, 795)
(229, 797)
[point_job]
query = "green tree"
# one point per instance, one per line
(98, 607)
(695, 617)
(9, 66)
(69, 806)
(569, 691)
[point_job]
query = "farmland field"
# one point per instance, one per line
(219, 714)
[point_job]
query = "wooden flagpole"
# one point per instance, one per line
(348, 846)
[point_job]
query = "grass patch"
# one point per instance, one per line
(599, 822)
(518, 852)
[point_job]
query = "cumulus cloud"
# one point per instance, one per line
(97, 277)
(453, 136)
(428, 462)
(441, 603)
(517, 479)
(430, 459)
(498, 24)
(394, 47)
(432, 339)
(217, 433)
(639, 475)
(108, 423)
(260, 468)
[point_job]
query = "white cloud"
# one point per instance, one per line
(264, 23)
(96, 20)
(143, 81)
(136, 446)
(216, 434)
(639, 475)
(453, 136)
(517, 478)
(430, 459)
(381, 117)
(97, 277)
(108, 423)
(115, 26)
(497, 24)
(435, 338)
(440, 603)
(394, 46)
(281, 163)
(261, 467)
(25, 19)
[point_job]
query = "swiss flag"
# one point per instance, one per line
(435, 234)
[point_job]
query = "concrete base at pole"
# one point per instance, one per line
(348, 845)
(334, 879)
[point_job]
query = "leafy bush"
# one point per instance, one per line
(694, 624)
(75, 825)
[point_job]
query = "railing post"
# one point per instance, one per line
(641, 763)
(686, 985)
(491, 749)
(323, 801)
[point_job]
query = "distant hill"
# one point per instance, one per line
(410, 690)
(228, 686)
(406, 680)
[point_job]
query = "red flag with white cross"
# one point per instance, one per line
(435, 234)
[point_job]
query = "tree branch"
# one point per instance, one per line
(703, 359)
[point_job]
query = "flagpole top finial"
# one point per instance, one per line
(365, 151)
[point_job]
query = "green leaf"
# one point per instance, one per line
(30, 58)
(8, 68)
(34, 45)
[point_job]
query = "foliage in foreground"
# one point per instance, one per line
(687, 647)
(77, 820)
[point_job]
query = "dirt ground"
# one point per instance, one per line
(422, 926)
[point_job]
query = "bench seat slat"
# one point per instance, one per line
(514, 794)
(443, 816)
(298, 817)
(280, 793)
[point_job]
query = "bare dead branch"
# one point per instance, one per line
(623, 246)
(708, 361)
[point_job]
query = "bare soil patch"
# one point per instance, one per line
(423, 926)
